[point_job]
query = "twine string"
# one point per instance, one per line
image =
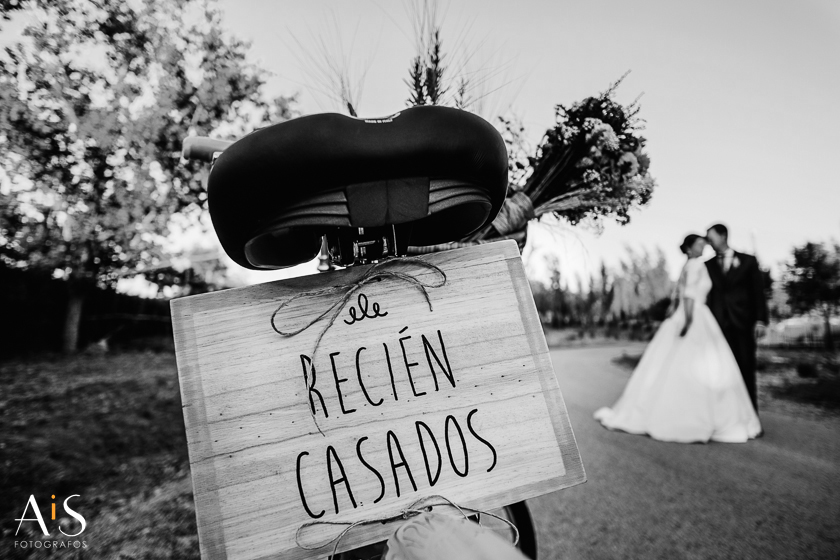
(416, 508)
(375, 273)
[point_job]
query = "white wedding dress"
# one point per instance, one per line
(686, 389)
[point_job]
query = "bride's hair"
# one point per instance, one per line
(688, 242)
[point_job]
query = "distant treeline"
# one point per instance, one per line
(639, 289)
(34, 307)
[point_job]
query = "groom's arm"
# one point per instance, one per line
(709, 296)
(759, 297)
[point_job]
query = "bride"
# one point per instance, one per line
(687, 386)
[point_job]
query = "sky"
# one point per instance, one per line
(738, 98)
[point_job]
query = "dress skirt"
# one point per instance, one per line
(686, 389)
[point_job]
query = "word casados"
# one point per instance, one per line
(436, 359)
(430, 448)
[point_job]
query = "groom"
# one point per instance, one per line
(738, 302)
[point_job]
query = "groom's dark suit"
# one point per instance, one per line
(737, 301)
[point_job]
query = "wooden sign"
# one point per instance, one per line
(405, 402)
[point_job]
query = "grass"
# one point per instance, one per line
(823, 392)
(576, 337)
(108, 428)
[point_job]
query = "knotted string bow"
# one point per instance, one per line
(374, 274)
(414, 509)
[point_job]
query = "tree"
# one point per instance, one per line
(813, 282)
(94, 102)
(607, 292)
(640, 284)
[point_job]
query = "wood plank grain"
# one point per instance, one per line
(459, 401)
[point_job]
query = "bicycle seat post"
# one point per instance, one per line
(350, 246)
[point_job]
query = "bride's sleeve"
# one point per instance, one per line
(693, 271)
(679, 288)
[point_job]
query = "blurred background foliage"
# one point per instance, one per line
(94, 103)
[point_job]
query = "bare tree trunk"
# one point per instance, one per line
(72, 320)
(829, 341)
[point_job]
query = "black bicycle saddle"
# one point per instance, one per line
(437, 173)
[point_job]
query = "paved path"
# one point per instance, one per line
(775, 497)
